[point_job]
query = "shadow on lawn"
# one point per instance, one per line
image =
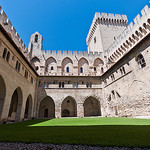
(102, 135)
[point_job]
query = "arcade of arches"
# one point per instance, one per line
(16, 103)
(91, 107)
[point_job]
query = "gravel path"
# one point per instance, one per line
(40, 146)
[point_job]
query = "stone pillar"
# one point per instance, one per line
(5, 109)
(58, 110)
(80, 110)
(22, 110)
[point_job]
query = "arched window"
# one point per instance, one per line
(36, 68)
(77, 85)
(4, 53)
(59, 84)
(67, 69)
(63, 84)
(141, 61)
(94, 39)
(87, 84)
(102, 70)
(26, 74)
(74, 85)
(18, 67)
(36, 38)
(8, 56)
(16, 64)
(81, 70)
(52, 68)
(94, 68)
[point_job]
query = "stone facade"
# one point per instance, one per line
(110, 79)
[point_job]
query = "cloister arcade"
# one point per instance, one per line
(13, 104)
(69, 107)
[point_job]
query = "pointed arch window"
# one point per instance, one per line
(36, 38)
(67, 69)
(59, 84)
(8, 56)
(4, 53)
(63, 84)
(102, 70)
(52, 68)
(141, 61)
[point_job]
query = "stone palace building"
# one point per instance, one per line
(111, 79)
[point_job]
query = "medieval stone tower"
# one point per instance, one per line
(104, 30)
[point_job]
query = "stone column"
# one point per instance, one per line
(22, 110)
(5, 109)
(58, 110)
(80, 110)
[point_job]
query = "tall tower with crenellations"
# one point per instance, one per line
(104, 29)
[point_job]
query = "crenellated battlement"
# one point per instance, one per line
(60, 53)
(106, 19)
(132, 35)
(7, 25)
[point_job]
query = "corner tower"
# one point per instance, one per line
(35, 45)
(104, 29)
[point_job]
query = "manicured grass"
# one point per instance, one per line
(93, 122)
(85, 131)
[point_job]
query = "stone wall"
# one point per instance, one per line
(126, 89)
(12, 79)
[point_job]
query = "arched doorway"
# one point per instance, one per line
(47, 108)
(16, 105)
(2, 94)
(91, 107)
(69, 107)
(28, 108)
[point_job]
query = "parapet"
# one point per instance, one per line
(7, 25)
(132, 31)
(108, 19)
(70, 54)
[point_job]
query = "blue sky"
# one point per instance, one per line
(64, 24)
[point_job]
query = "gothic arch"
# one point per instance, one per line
(28, 107)
(34, 59)
(98, 63)
(83, 65)
(35, 62)
(91, 107)
(69, 107)
(47, 108)
(67, 66)
(15, 105)
(2, 93)
(51, 65)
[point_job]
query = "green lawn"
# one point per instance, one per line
(85, 131)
